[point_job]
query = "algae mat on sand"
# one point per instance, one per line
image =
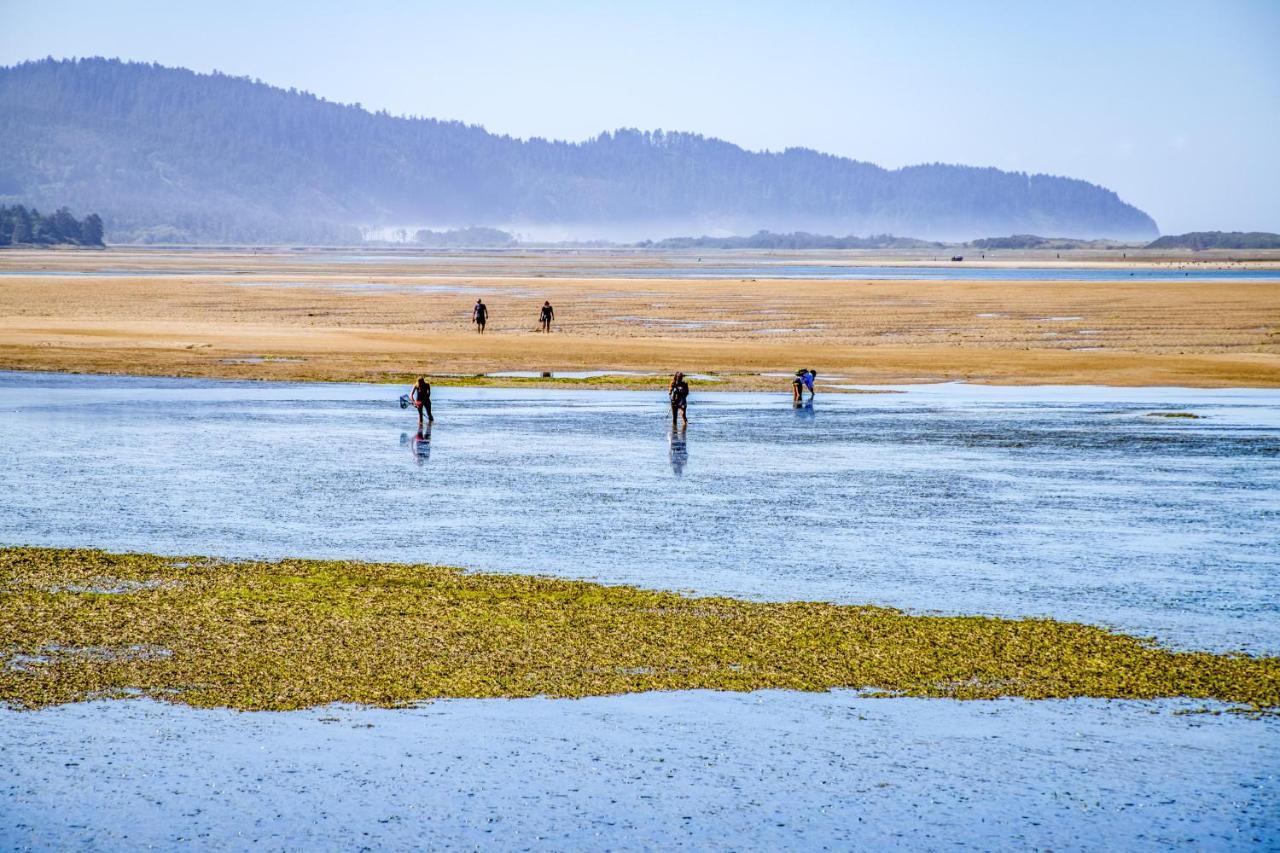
(81, 624)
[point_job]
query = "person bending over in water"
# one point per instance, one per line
(420, 396)
(480, 315)
(678, 391)
(809, 376)
(546, 316)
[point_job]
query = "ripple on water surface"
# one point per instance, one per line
(1070, 502)
(767, 771)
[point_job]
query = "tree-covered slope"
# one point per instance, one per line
(217, 157)
(1219, 240)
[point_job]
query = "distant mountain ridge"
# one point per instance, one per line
(169, 153)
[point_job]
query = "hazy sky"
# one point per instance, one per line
(1175, 105)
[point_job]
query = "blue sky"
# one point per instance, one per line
(1175, 105)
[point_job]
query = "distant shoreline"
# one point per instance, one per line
(1119, 258)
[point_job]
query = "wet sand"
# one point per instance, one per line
(381, 316)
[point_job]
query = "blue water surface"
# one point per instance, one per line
(1076, 503)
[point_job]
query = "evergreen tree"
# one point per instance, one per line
(21, 226)
(91, 230)
(63, 227)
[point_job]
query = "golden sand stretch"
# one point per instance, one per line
(81, 624)
(374, 317)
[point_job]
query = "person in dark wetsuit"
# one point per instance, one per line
(480, 315)
(546, 316)
(420, 397)
(678, 391)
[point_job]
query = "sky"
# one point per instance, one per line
(1174, 105)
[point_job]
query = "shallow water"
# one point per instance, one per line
(764, 270)
(767, 771)
(954, 272)
(1068, 502)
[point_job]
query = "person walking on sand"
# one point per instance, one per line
(546, 316)
(420, 396)
(480, 315)
(678, 391)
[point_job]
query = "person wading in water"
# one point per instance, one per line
(810, 375)
(546, 316)
(420, 396)
(678, 391)
(480, 315)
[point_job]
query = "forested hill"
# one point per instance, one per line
(1200, 240)
(166, 153)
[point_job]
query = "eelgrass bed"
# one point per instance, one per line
(84, 624)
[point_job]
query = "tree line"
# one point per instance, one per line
(20, 226)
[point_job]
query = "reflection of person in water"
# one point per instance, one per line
(679, 452)
(805, 409)
(419, 444)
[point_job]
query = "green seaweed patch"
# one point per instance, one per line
(1188, 415)
(300, 633)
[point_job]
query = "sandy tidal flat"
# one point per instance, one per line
(373, 317)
